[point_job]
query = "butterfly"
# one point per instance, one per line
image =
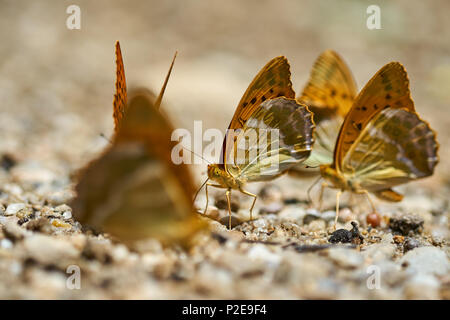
(133, 190)
(329, 95)
(250, 152)
(382, 142)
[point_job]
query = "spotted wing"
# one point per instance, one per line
(329, 95)
(331, 88)
(275, 138)
(388, 88)
(395, 147)
(274, 80)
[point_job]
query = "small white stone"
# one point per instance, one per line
(6, 244)
(67, 215)
(426, 260)
(13, 208)
(260, 252)
(345, 257)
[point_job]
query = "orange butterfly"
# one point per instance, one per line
(134, 190)
(329, 95)
(267, 104)
(382, 142)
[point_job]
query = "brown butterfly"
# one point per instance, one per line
(267, 105)
(382, 142)
(329, 95)
(133, 190)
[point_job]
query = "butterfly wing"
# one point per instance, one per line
(134, 191)
(277, 136)
(395, 147)
(120, 96)
(388, 88)
(274, 80)
(329, 95)
(331, 88)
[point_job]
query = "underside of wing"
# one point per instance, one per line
(275, 138)
(134, 190)
(388, 88)
(324, 139)
(389, 195)
(274, 80)
(395, 147)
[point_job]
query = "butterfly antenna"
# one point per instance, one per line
(196, 154)
(163, 89)
(196, 194)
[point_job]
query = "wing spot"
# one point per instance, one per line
(375, 106)
(333, 93)
(253, 101)
(364, 108)
(263, 98)
(244, 104)
(387, 106)
(271, 90)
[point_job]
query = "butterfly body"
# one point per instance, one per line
(223, 178)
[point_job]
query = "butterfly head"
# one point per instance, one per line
(221, 176)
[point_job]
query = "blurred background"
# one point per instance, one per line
(57, 85)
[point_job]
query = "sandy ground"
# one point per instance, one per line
(56, 89)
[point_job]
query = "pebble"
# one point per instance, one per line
(14, 208)
(346, 258)
(49, 250)
(67, 215)
(60, 197)
(410, 244)
(273, 207)
(406, 224)
(271, 193)
(422, 286)
(11, 229)
(6, 244)
(317, 225)
(235, 221)
(427, 260)
(260, 252)
(311, 216)
(223, 204)
(375, 253)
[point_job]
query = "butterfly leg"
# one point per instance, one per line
(207, 196)
(310, 188)
(322, 187)
(254, 200)
(351, 201)
(338, 196)
(228, 195)
(374, 210)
